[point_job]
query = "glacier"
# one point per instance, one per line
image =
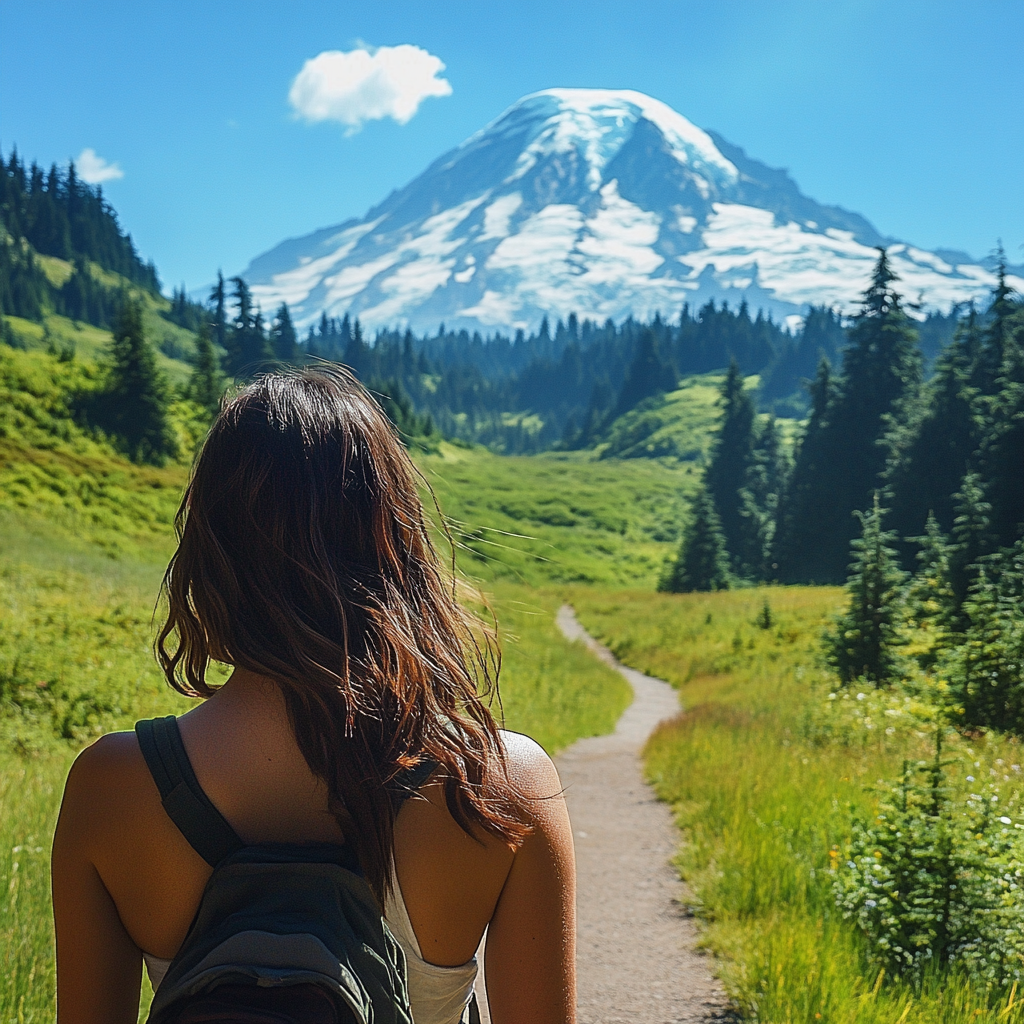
(605, 203)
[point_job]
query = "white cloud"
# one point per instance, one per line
(367, 84)
(94, 169)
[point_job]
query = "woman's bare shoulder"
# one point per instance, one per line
(107, 757)
(107, 776)
(530, 769)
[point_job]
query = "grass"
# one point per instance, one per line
(174, 345)
(765, 774)
(561, 517)
(84, 536)
(677, 426)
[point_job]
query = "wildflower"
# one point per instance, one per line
(1005, 820)
(861, 696)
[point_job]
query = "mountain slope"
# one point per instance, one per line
(604, 203)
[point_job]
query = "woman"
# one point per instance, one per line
(304, 562)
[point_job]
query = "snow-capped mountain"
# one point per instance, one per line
(603, 203)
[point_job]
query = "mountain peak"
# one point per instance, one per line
(598, 122)
(602, 202)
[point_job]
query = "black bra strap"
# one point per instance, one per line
(205, 828)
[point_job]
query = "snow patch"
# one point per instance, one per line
(498, 216)
(685, 223)
(294, 286)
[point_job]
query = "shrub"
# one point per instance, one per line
(936, 883)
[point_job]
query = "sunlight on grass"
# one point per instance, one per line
(765, 775)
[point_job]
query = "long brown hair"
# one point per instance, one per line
(304, 555)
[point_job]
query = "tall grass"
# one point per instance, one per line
(84, 536)
(765, 774)
(76, 660)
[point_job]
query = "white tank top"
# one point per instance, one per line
(438, 995)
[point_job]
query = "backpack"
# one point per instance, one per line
(284, 933)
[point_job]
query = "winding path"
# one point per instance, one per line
(636, 945)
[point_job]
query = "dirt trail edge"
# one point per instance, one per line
(636, 956)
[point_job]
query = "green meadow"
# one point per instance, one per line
(85, 535)
(765, 769)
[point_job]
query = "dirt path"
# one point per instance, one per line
(635, 943)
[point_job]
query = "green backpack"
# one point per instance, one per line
(284, 933)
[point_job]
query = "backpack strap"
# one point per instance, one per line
(205, 828)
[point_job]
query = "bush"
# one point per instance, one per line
(934, 883)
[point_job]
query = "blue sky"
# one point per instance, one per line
(908, 111)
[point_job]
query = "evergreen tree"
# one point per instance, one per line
(247, 343)
(986, 671)
(133, 405)
(760, 500)
(929, 455)
(207, 382)
(219, 301)
(997, 332)
(821, 337)
(60, 215)
(1001, 454)
(929, 598)
(730, 465)
(702, 563)
(793, 556)
(357, 353)
(283, 339)
(866, 638)
(972, 540)
(648, 374)
(881, 375)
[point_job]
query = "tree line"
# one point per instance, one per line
(55, 213)
(942, 453)
(575, 377)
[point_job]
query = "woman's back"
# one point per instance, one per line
(245, 757)
(305, 562)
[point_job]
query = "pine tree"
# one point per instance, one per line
(929, 596)
(702, 563)
(283, 339)
(649, 374)
(730, 465)
(247, 343)
(972, 539)
(866, 638)
(793, 554)
(761, 496)
(133, 406)
(929, 456)
(986, 670)
(1001, 455)
(207, 382)
(357, 353)
(881, 375)
(218, 299)
(997, 332)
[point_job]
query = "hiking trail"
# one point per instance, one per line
(636, 953)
